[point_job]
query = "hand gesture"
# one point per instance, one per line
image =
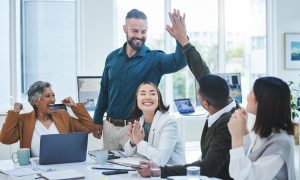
(237, 127)
(145, 172)
(178, 29)
(129, 131)
(138, 133)
(98, 131)
(69, 102)
(18, 107)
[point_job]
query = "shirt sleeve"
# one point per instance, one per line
(195, 62)
(169, 63)
(102, 102)
(167, 141)
(241, 167)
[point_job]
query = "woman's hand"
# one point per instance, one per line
(129, 132)
(138, 133)
(18, 107)
(69, 102)
(237, 127)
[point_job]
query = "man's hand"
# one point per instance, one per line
(98, 131)
(145, 172)
(178, 29)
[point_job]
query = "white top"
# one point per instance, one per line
(212, 118)
(241, 167)
(39, 130)
(164, 145)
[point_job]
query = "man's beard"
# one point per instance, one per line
(136, 46)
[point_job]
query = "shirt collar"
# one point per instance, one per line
(213, 118)
(142, 52)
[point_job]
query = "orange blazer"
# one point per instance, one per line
(20, 126)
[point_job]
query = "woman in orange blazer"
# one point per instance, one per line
(29, 127)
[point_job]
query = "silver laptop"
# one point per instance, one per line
(63, 148)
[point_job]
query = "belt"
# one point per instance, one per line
(119, 122)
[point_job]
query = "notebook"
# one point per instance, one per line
(185, 107)
(63, 148)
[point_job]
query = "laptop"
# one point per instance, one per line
(63, 148)
(185, 107)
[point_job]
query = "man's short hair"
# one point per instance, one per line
(214, 90)
(134, 13)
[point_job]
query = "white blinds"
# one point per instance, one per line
(49, 42)
(4, 57)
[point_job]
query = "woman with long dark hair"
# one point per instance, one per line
(270, 154)
(155, 135)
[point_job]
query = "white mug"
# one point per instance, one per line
(100, 156)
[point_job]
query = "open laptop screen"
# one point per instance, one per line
(184, 105)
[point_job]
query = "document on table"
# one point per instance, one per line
(129, 161)
(26, 170)
(62, 174)
(111, 166)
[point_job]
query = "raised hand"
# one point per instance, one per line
(237, 127)
(178, 29)
(18, 107)
(138, 133)
(69, 102)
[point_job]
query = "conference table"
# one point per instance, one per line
(84, 168)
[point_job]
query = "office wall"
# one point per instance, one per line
(287, 20)
(97, 34)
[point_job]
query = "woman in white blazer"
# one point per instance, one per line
(155, 135)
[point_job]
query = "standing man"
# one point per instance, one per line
(126, 68)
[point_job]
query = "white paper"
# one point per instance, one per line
(62, 174)
(27, 170)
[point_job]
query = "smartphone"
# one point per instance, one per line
(59, 106)
(113, 172)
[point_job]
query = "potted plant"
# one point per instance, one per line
(295, 107)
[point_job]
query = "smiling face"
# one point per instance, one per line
(46, 102)
(136, 32)
(251, 103)
(147, 98)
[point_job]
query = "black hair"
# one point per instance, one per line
(134, 13)
(214, 90)
(273, 98)
(136, 112)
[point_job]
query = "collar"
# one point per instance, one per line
(213, 118)
(142, 52)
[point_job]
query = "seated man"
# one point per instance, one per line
(214, 96)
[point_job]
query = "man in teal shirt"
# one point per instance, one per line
(125, 69)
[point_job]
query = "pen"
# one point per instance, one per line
(122, 153)
(100, 168)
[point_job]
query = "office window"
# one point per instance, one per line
(5, 98)
(245, 37)
(49, 45)
(244, 30)
(203, 34)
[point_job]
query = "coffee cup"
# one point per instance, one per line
(100, 156)
(22, 156)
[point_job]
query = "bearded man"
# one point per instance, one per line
(125, 69)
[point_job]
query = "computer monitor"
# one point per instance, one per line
(88, 91)
(234, 83)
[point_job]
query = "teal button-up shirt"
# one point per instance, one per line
(122, 75)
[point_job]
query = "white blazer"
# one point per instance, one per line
(164, 145)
